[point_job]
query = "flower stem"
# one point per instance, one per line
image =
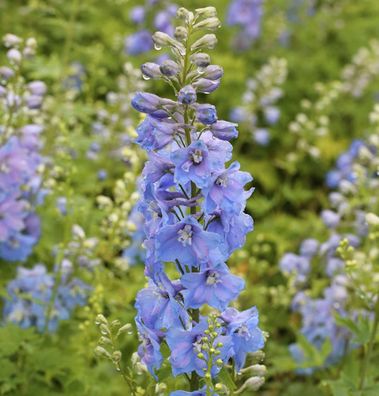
(369, 349)
(195, 313)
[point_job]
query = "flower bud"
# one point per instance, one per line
(187, 95)
(116, 356)
(206, 86)
(169, 68)
(208, 41)
(102, 352)
(213, 72)
(37, 88)
(34, 102)
(201, 59)
(28, 52)
(224, 130)
(151, 70)
(206, 114)
(6, 73)
(101, 319)
(254, 383)
(372, 219)
(163, 39)
(160, 387)
(209, 24)
(105, 341)
(11, 40)
(148, 103)
(181, 33)
(14, 56)
(259, 370)
(127, 328)
(31, 42)
(184, 14)
(206, 12)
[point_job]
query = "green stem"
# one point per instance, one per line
(57, 281)
(369, 350)
(195, 313)
(70, 33)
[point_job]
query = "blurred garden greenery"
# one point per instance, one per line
(328, 91)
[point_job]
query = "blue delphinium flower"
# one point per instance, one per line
(247, 14)
(138, 43)
(141, 42)
(193, 208)
(258, 111)
(345, 220)
(33, 298)
(20, 159)
(343, 169)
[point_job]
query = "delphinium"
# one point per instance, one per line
(145, 19)
(21, 163)
(312, 124)
(247, 15)
(258, 110)
(114, 136)
(194, 219)
(335, 280)
(112, 129)
(118, 227)
(39, 298)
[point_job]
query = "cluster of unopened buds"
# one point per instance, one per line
(117, 224)
(313, 122)
(259, 110)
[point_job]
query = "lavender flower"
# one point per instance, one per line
(247, 14)
(141, 41)
(346, 223)
(32, 293)
(194, 218)
(20, 159)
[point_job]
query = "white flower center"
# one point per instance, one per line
(197, 344)
(185, 235)
(197, 156)
(243, 331)
(4, 168)
(222, 180)
(213, 278)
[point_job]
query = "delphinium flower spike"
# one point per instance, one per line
(21, 162)
(193, 205)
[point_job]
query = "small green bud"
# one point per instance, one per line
(206, 12)
(102, 352)
(209, 24)
(127, 328)
(208, 41)
(116, 356)
(181, 33)
(101, 319)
